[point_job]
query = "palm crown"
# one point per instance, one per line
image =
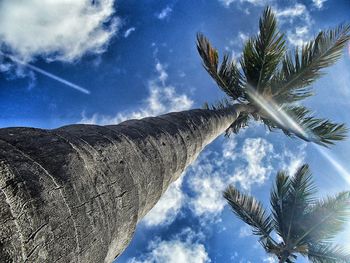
(274, 81)
(304, 224)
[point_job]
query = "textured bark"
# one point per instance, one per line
(75, 194)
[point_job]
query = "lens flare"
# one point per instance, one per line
(277, 113)
(47, 74)
(284, 119)
(340, 169)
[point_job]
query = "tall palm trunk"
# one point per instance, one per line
(75, 194)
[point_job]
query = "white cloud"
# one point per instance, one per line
(129, 31)
(292, 161)
(182, 248)
(162, 99)
(206, 180)
(164, 13)
(243, 37)
(213, 171)
(245, 231)
(163, 75)
(228, 149)
(56, 30)
(318, 3)
(270, 259)
(290, 12)
(227, 3)
(299, 36)
(167, 208)
(236, 45)
(255, 152)
(208, 190)
(299, 23)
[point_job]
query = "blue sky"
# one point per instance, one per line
(138, 58)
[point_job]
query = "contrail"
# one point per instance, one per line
(283, 118)
(48, 74)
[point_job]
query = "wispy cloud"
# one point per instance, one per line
(213, 171)
(291, 161)
(162, 98)
(247, 164)
(298, 19)
(291, 12)
(256, 153)
(245, 231)
(164, 13)
(168, 207)
(129, 31)
(208, 190)
(227, 3)
(184, 247)
(299, 36)
(270, 259)
(318, 3)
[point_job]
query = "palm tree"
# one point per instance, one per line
(76, 193)
(272, 81)
(303, 224)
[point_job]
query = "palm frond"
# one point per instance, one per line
(227, 76)
(325, 253)
(241, 122)
(327, 218)
(307, 127)
(250, 211)
(262, 54)
(300, 195)
(320, 131)
(220, 104)
(301, 68)
(278, 202)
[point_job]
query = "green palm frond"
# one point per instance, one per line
(227, 76)
(316, 130)
(306, 126)
(250, 211)
(262, 54)
(300, 195)
(220, 104)
(271, 76)
(306, 225)
(241, 122)
(278, 199)
(327, 218)
(300, 69)
(326, 253)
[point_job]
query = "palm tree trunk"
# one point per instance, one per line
(75, 194)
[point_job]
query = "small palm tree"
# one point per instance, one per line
(270, 82)
(304, 224)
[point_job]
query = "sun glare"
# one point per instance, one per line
(336, 164)
(284, 119)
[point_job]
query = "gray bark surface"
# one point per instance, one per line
(76, 193)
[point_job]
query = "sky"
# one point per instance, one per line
(102, 62)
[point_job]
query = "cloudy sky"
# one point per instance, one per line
(86, 61)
